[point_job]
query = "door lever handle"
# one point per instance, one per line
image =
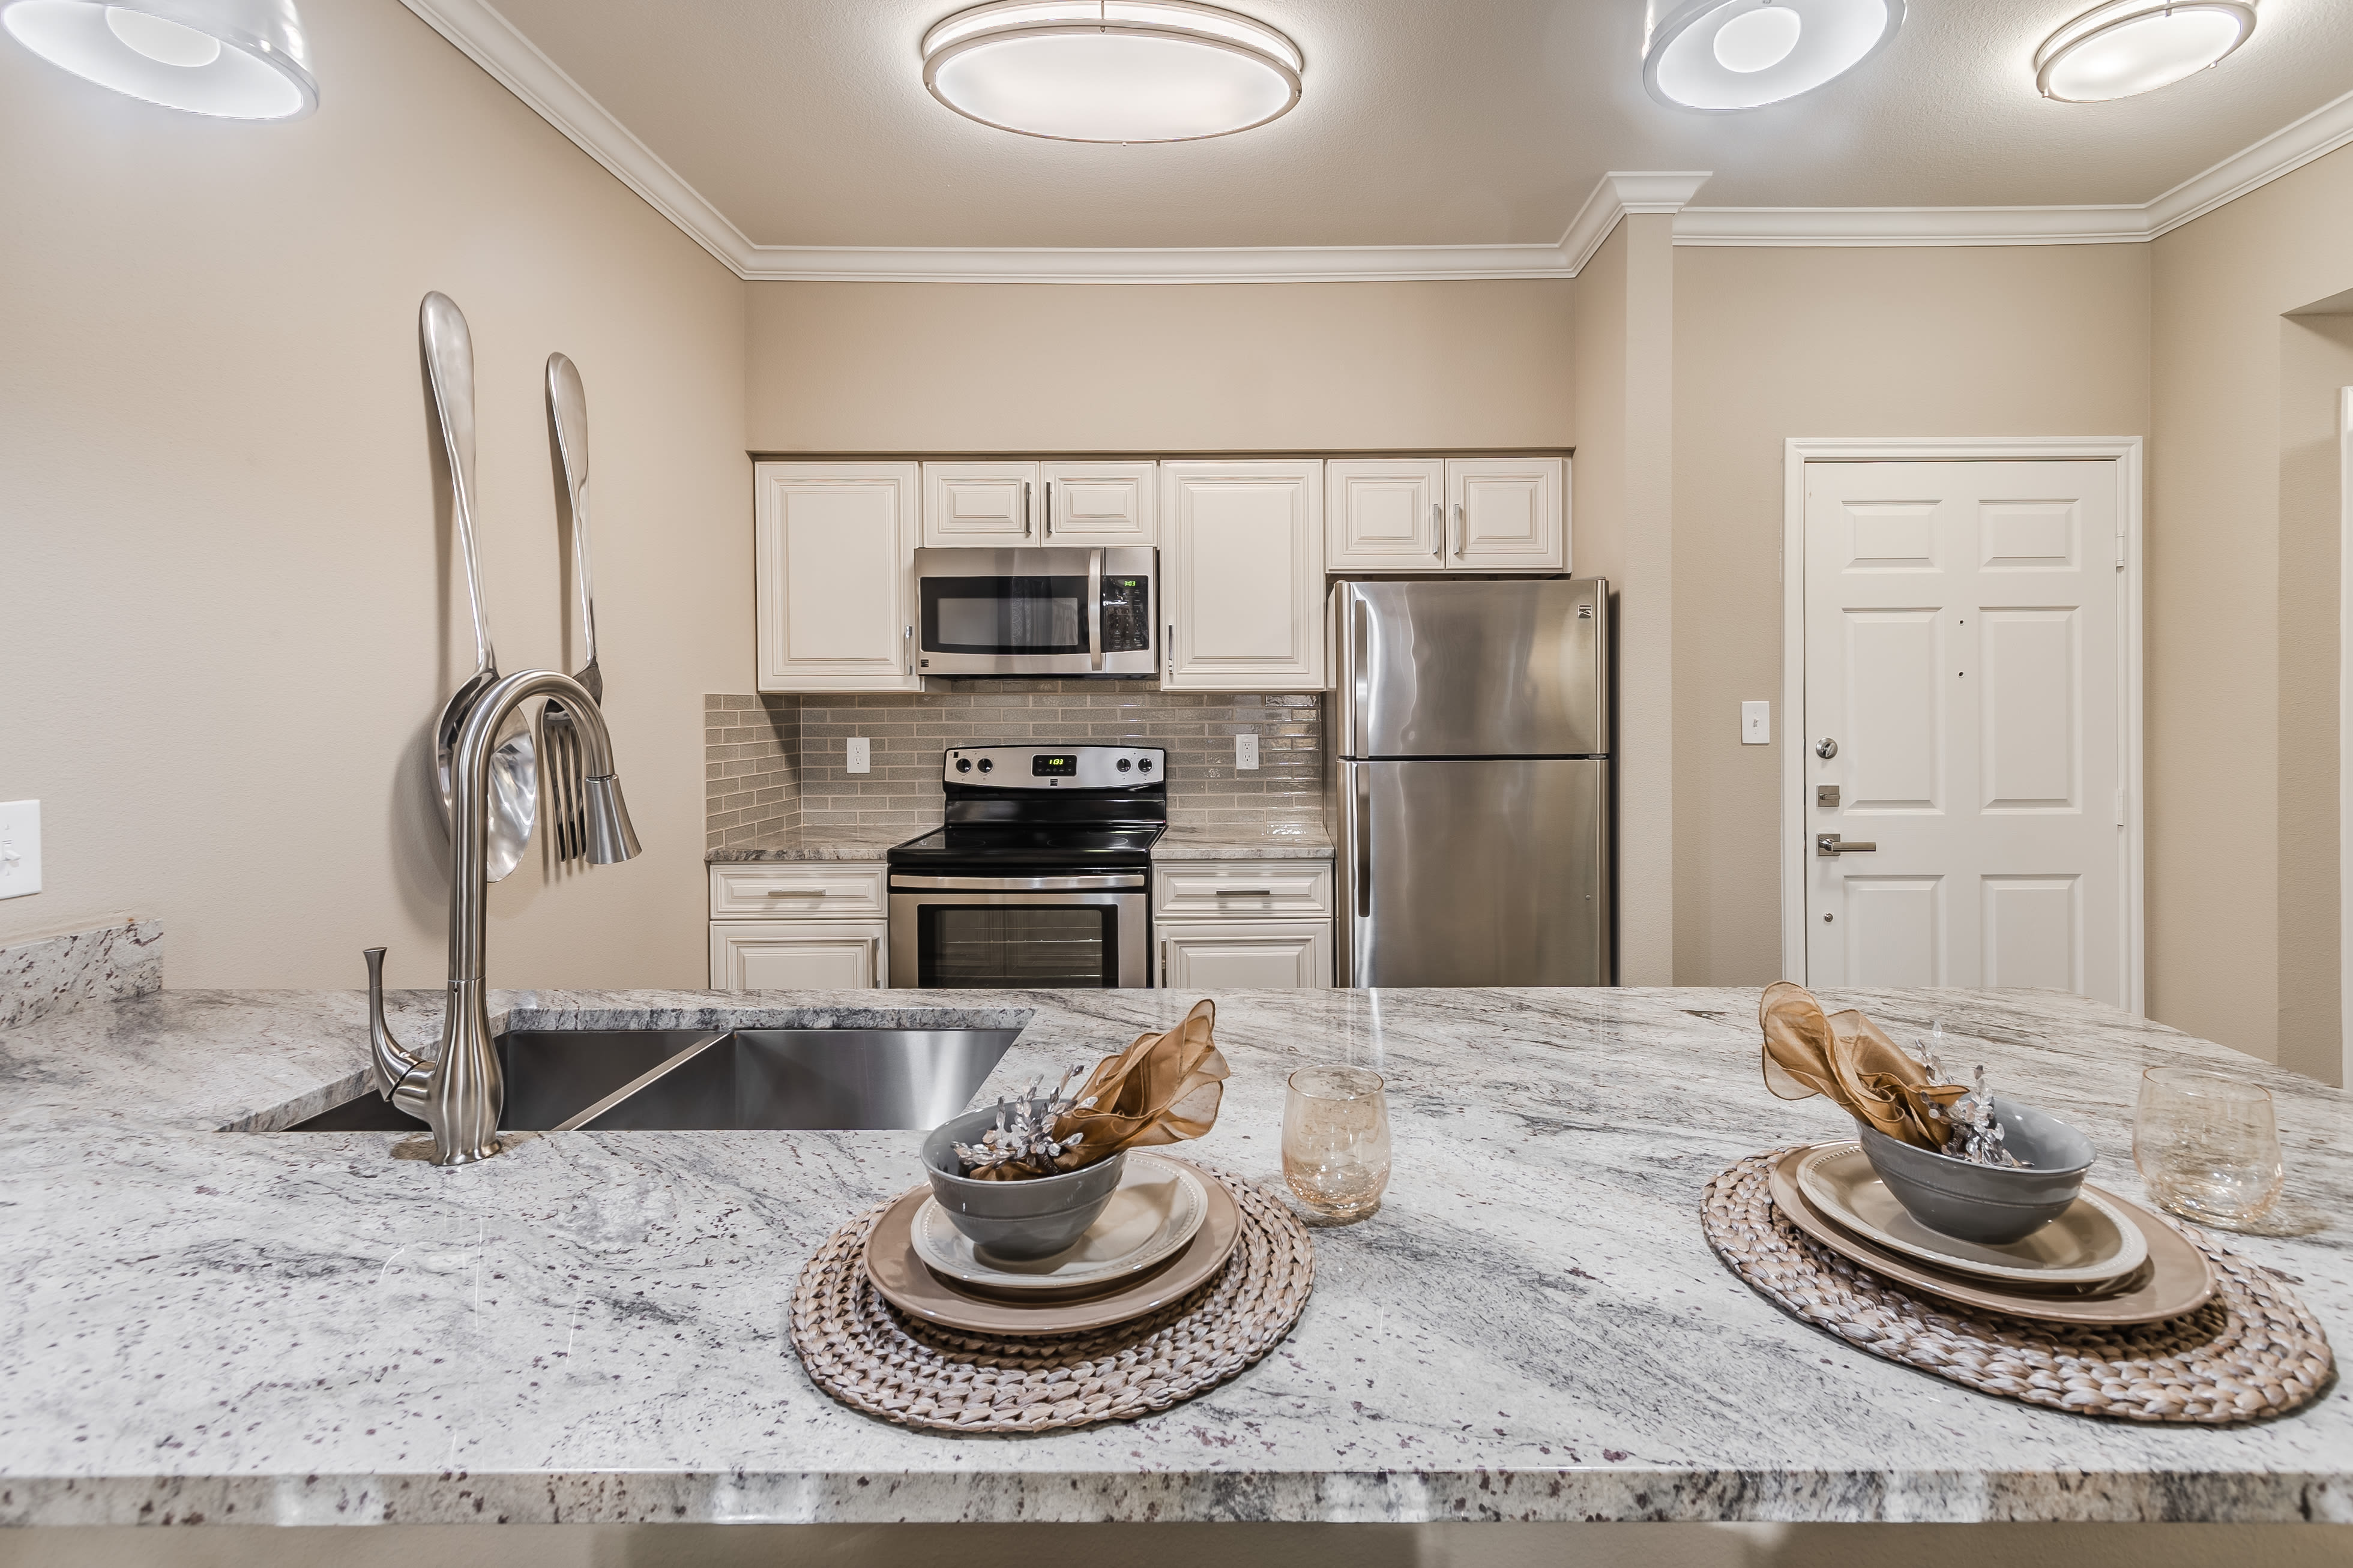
(1831, 844)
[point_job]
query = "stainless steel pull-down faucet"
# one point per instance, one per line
(459, 1091)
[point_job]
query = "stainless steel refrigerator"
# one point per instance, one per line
(1470, 740)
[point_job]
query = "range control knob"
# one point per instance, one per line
(987, 766)
(1124, 764)
(963, 764)
(1143, 764)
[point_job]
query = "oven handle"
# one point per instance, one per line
(1094, 606)
(1018, 884)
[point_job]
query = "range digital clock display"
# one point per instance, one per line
(1043, 766)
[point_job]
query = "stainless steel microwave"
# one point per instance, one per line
(1050, 610)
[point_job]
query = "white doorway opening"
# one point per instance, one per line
(1961, 682)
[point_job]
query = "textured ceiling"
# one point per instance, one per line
(1424, 123)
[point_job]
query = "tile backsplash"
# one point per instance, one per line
(751, 768)
(761, 784)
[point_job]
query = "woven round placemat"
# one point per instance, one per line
(2251, 1352)
(873, 1357)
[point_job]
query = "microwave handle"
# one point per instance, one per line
(1094, 606)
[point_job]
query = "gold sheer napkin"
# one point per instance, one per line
(1846, 1056)
(1164, 1089)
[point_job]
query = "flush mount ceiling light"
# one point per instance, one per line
(2129, 46)
(236, 60)
(1110, 71)
(1723, 55)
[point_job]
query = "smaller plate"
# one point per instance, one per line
(2175, 1279)
(906, 1284)
(1154, 1210)
(2091, 1244)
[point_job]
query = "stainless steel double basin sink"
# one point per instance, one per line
(680, 1079)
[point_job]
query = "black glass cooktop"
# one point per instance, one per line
(997, 848)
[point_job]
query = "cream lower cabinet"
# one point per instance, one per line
(1241, 554)
(1243, 924)
(803, 926)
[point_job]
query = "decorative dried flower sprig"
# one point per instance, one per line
(1974, 1136)
(1025, 1132)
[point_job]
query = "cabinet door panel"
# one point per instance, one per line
(1101, 503)
(1245, 567)
(990, 505)
(1385, 514)
(761, 955)
(1507, 512)
(1246, 955)
(831, 548)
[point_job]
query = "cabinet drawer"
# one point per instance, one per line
(799, 955)
(812, 890)
(1230, 890)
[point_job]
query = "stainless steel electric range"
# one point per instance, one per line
(1042, 876)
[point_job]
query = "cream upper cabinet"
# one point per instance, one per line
(1101, 503)
(1387, 514)
(1242, 562)
(990, 505)
(1455, 514)
(1507, 513)
(832, 544)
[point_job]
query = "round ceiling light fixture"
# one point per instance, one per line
(1110, 71)
(234, 60)
(1725, 55)
(2130, 46)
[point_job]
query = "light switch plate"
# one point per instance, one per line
(860, 755)
(20, 849)
(1245, 754)
(1757, 723)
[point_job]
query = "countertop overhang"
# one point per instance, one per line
(207, 1325)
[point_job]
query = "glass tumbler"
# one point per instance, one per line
(1335, 1139)
(2207, 1146)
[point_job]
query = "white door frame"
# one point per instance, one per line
(2125, 451)
(2345, 734)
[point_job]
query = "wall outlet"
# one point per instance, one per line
(861, 755)
(20, 849)
(1246, 753)
(1757, 723)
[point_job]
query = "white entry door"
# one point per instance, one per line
(1963, 673)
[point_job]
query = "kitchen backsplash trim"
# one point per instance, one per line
(759, 787)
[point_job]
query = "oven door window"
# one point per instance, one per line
(1005, 615)
(1062, 946)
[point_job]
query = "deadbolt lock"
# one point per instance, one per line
(1826, 796)
(1826, 749)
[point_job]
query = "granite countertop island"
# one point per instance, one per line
(207, 1321)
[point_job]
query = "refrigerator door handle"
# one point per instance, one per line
(1360, 677)
(1363, 835)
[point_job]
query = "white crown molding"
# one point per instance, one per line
(492, 42)
(2322, 132)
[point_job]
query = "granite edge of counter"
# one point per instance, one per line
(1183, 841)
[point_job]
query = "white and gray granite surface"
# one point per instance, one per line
(41, 977)
(1243, 841)
(851, 843)
(207, 1325)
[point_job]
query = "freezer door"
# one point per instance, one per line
(1510, 667)
(1474, 873)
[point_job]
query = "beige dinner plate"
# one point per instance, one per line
(906, 1283)
(1157, 1208)
(2172, 1280)
(2090, 1244)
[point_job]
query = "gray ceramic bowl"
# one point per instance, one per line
(1987, 1204)
(1018, 1221)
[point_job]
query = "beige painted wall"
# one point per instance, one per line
(230, 611)
(2228, 799)
(1771, 343)
(921, 367)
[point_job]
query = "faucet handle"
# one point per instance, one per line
(397, 1068)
